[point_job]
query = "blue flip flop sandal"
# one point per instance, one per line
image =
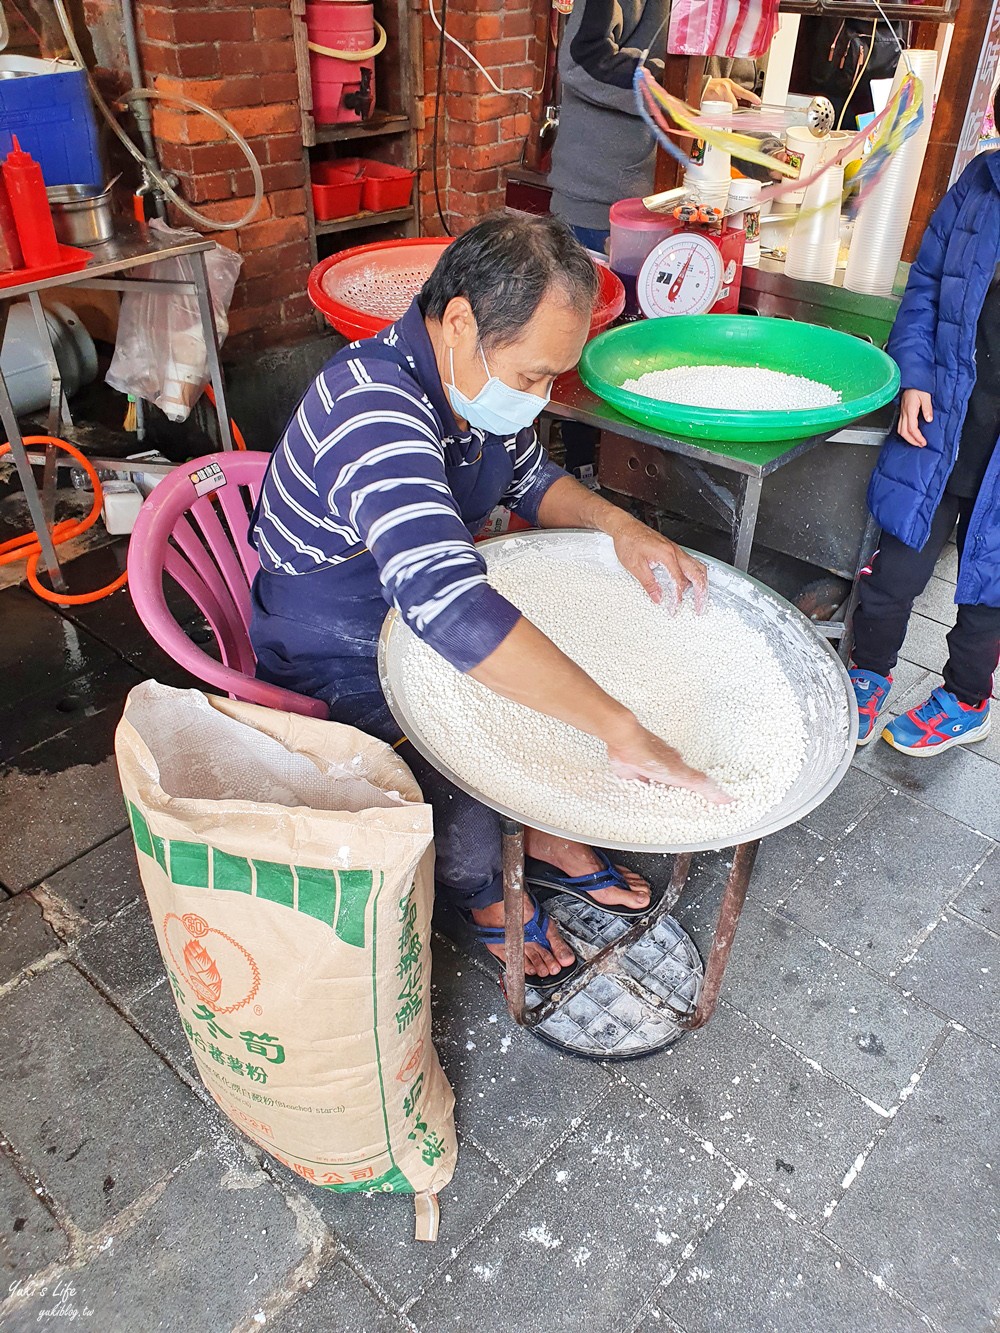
(550, 881)
(535, 932)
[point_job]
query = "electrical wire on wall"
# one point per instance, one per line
(438, 107)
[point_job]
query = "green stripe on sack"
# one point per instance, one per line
(338, 898)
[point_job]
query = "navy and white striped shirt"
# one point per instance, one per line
(373, 470)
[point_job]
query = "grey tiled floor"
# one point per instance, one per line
(823, 1158)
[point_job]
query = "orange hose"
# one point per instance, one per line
(17, 548)
(238, 439)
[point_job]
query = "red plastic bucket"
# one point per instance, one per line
(344, 40)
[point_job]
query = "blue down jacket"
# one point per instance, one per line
(934, 343)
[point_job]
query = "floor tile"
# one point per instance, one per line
(102, 882)
(30, 1237)
(957, 970)
(338, 1300)
(980, 899)
(40, 651)
(155, 1015)
(795, 1131)
(514, 1095)
(85, 1101)
(928, 1229)
(925, 643)
(876, 890)
(25, 936)
(758, 1270)
(937, 602)
(123, 955)
(378, 1229)
(856, 1027)
(960, 783)
(205, 1256)
(589, 1235)
(68, 799)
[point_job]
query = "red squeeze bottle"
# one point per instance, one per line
(10, 247)
(30, 205)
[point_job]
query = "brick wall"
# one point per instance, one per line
(237, 57)
(481, 133)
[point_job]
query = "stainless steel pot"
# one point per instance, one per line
(81, 214)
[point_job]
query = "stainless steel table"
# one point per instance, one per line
(113, 267)
(751, 464)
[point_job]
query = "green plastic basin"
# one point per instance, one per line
(865, 377)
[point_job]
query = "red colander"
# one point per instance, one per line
(362, 290)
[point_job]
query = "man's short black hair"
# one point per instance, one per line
(503, 267)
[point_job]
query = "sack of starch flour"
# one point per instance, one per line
(288, 865)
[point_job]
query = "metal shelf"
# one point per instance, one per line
(367, 129)
(357, 220)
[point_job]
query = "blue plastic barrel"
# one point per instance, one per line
(46, 103)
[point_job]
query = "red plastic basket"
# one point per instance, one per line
(362, 290)
(337, 188)
(385, 187)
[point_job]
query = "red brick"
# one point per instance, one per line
(216, 93)
(204, 159)
(494, 105)
(184, 62)
(469, 28)
(212, 25)
(295, 307)
(506, 51)
(185, 127)
(283, 176)
(287, 258)
(229, 210)
(269, 287)
(203, 189)
(272, 23)
(480, 159)
(520, 23)
(279, 87)
(258, 57)
(275, 231)
(284, 148)
(157, 25)
(254, 122)
(474, 133)
(287, 203)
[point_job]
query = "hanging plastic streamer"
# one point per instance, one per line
(742, 28)
(898, 122)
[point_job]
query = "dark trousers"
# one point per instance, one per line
(899, 574)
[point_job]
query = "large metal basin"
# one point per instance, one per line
(814, 670)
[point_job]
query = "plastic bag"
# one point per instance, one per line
(743, 28)
(160, 353)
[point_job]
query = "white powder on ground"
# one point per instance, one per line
(733, 388)
(710, 685)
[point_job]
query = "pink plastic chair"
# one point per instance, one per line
(201, 542)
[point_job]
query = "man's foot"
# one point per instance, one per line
(872, 694)
(575, 859)
(539, 961)
(938, 724)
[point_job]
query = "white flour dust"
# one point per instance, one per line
(734, 388)
(710, 685)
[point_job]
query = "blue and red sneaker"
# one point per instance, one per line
(872, 692)
(939, 724)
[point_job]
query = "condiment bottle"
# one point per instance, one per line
(10, 247)
(30, 205)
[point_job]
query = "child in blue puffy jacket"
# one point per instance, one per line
(939, 467)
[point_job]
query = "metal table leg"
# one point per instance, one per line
(729, 914)
(869, 545)
(33, 499)
(212, 345)
(746, 521)
(512, 844)
(58, 404)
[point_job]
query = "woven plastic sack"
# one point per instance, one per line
(160, 353)
(743, 28)
(288, 866)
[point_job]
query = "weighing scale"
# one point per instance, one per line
(643, 984)
(693, 272)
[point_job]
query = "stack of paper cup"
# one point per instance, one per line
(878, 239)
(745, 196)
(708, 176)
(805, 148)
(815, 243)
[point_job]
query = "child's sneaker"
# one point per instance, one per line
(939, 724)
(872, 692)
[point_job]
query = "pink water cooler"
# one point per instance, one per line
(344, 40)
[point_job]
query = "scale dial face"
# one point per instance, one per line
(681, 276)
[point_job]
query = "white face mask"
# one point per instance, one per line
(497, 408)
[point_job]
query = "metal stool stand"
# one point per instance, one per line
(744, 856)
